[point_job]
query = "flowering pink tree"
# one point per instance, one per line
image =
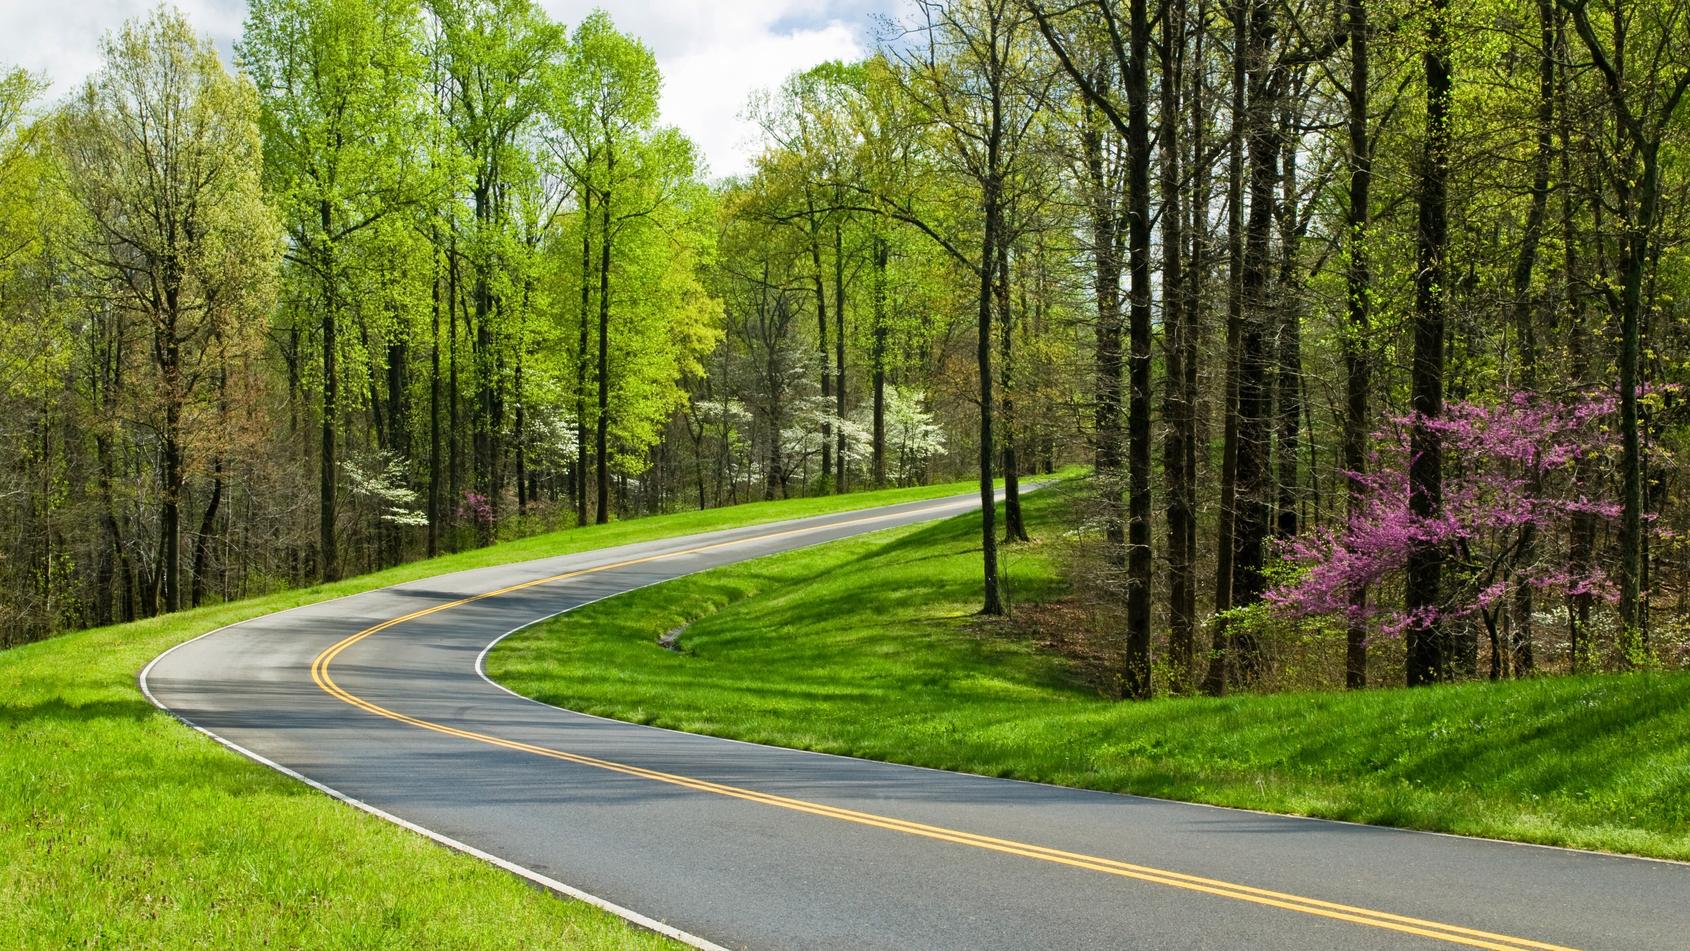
(476, 508)
(1510, 476)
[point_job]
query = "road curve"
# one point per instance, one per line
(378, 699)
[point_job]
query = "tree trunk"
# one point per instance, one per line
(1288, 357)
(1357, 345)
(602, 432)
(434, 407)
(1215, 681)
(584, 333)
(202, 541)
(992, 599)
(1176, 328)
(488, 417)
(1581, 542)
(1254, 476)
(1523, 306)
(1106, 285)
(1430, 656)
(839, 483)
(1014, 527)
(1196, 273)
(519, 432)
(878, 359)
(328, 555)
(454, 452)
(816, 278)
(170, 517)
(1137, 674)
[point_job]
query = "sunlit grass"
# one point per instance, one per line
(868, 647)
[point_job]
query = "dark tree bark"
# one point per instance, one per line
(1196, 273)
(1107, 365)
(1138, 366)
(1253, 475)
(328, 555)
(1014, 526)
(583, 341)
(1358, 362)
(1581, 541)
(839, 482)
(1430, 656)
(877, 358)
(489, 407)
(1521, 657)
(816, 278)
(434, 404)
(519, 433)
(202, 541)
(992, 603)
(601, 439)
(1288, 357)
(454, 451)
(1177, 331)
(1215, 681)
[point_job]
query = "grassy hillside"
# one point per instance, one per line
(120, 827)
(867, 647)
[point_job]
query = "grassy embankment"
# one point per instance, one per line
(867, 647)
(119, 827)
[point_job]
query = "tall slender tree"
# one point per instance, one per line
(1430, 654)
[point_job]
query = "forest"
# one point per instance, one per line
(1364, 323)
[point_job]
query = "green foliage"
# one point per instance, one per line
(33, 349)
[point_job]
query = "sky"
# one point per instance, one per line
(713, 55)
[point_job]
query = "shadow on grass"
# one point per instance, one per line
(14, 713)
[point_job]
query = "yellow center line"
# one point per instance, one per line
(1260, 896)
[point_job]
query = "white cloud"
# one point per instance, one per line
(714, 55)
(61, 40)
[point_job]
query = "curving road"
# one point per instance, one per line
(378, 699)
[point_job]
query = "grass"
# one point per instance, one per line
(868, 647)
(119, 827)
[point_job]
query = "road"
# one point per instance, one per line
(378, 698)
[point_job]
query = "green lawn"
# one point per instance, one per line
(119, 827)
(867, 647)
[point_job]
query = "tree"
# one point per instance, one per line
(1515, 484)
(608, 100)
(966, 87)
(1131, 65)
(1430, 655)
(161, 152)
(1358, 321)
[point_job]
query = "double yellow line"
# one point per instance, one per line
(1259, 896)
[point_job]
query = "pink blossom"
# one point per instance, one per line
(1510, 467)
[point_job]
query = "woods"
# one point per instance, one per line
(1369, 312)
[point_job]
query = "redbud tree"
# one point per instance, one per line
(1514, 470)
